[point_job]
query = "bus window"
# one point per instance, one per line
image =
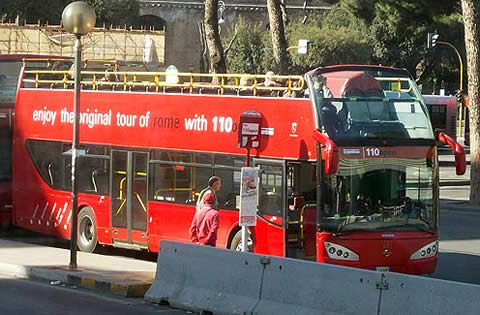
(53, 161)
(175, 177)
(9, 72)
(271, 191)
(5, 154)
(228, 168)
(179, 177)
(47, 157)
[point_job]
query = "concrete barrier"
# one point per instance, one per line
(292, 286)
(200, 278)
(408, 294)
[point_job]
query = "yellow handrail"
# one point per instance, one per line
(286, 84)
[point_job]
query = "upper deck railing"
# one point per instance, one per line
(167, 82)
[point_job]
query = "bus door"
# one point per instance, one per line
(270, 233)
(129, 198)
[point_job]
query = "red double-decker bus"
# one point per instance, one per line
(10, 67)
(348, 172)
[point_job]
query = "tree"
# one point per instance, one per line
(31, 11)
(109, 12)
(471, 18)
(247, 50)
(212, 37)
(279, 44)
(397, 29)
(337, 38)
(115, 12)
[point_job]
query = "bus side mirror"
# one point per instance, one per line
(331, 152)
(460, 159)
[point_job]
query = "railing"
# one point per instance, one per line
(192, 83)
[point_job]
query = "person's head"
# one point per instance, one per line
(215, 183)
(209, 199)
(245, 81)
(57, 66)
(109, 75)
(319, 81)
(269, 78)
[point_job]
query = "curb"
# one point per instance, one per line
(123, 289)
(120, 287)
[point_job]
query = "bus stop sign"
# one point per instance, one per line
(249, 131)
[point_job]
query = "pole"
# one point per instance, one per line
(75, 141)
(460, 117)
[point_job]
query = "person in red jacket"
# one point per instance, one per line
(205, 223)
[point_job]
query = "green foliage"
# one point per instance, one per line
(32, 11)
(337, 38)
(397, 33)
(363, 9)
(116, 12)
(246, 53)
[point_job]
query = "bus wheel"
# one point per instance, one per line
(236, 243)
(87, 231)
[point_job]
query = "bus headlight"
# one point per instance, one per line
(339, 252)
(426, 251)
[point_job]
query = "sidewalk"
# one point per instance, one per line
(121, 276)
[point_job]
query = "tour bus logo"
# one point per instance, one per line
(387, 248)
(294, 130)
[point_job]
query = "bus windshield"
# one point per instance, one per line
(370, 104)
(387, 194)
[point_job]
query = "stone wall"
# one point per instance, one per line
(181, 20)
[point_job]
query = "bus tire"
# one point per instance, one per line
(5, 227)
(236, 243)
(87, 231)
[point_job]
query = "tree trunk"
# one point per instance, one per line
(279, 43)
(283, 7)
(471, 18)
(215, 49)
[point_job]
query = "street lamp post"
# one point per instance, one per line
(78, 18)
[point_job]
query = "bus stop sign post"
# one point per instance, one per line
(248, 137)
(248, 202)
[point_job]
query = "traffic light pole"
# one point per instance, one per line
(460, 114)
(459, 59)
(432, 41)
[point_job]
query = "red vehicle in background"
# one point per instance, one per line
(10, 70)
(347, 159)
(443, 113)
